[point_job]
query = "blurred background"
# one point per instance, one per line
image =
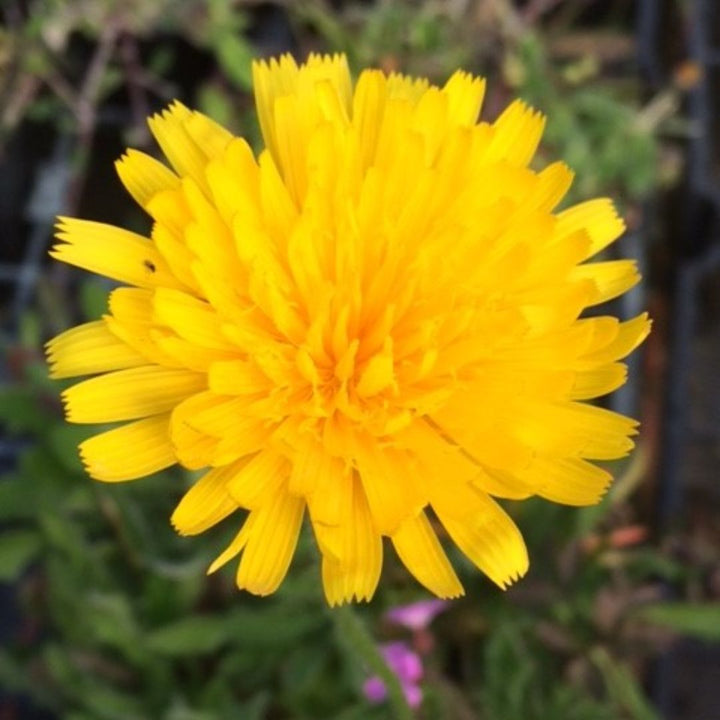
(105, 614)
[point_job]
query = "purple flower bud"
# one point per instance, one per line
(407, 665)
(374, 690)
(418, 615)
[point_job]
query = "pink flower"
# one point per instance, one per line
(407, 665)
(416, 616)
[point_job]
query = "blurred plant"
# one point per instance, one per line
(111, 632)
(592, 124)
(48, 77)
(407, 665)
(418, 615)
(410, 37)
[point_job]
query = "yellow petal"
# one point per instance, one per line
(329, 493)
(236, 546)
(629, 335)
(88, 349)
(404, 87)
(194, 447)
(258, 480)
(143, 176)
(516, 135)
(418, 547)
(237, 377)
(281, 77)
(233, 182)
(552, 184)
(170, 209)
(213, 414)
(272, 79)
(206, 503)
(131, 305)
(131, 322)
(379, 374)
(247, 435)
(210, 137)
(367, 112)
(192, 319)
(487, 535)
(179, 258)
(575, 429)
(278, 205)
(611, 279)
(184, 353)
(503, 484)
(194, 450)
(390, 485)
(177, 144)
(465, 95)
(130, 394)
(436, 454)
(352, 551)
(599, 381)
(313, 468)
(266, 556)
(130, 451)
(291, 140)
(113, 252)
(597, 218)
(570, 481)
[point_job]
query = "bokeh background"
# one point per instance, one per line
(105, 614)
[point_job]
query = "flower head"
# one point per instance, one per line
(377, 320)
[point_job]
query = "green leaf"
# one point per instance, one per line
(235, 57)
(275, 629)
(17, 498)
(110, 618)
(18, 548)
(252, 709)
(94, 299)
(182, 712)
(190, 636)
(695, 619)
(20, 411)
(622, 687)
(215, 103)
(64, 440)
(106, 702)
(30, 330)
(13, 676)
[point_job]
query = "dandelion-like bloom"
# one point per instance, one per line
(378, 319)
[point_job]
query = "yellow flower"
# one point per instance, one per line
(378, 319)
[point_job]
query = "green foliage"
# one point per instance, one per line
(699, 620)
(18, 548)
(591, 124)
(418, 38)
(520, 686)
(224, 35)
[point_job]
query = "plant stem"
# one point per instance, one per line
(355, 634)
